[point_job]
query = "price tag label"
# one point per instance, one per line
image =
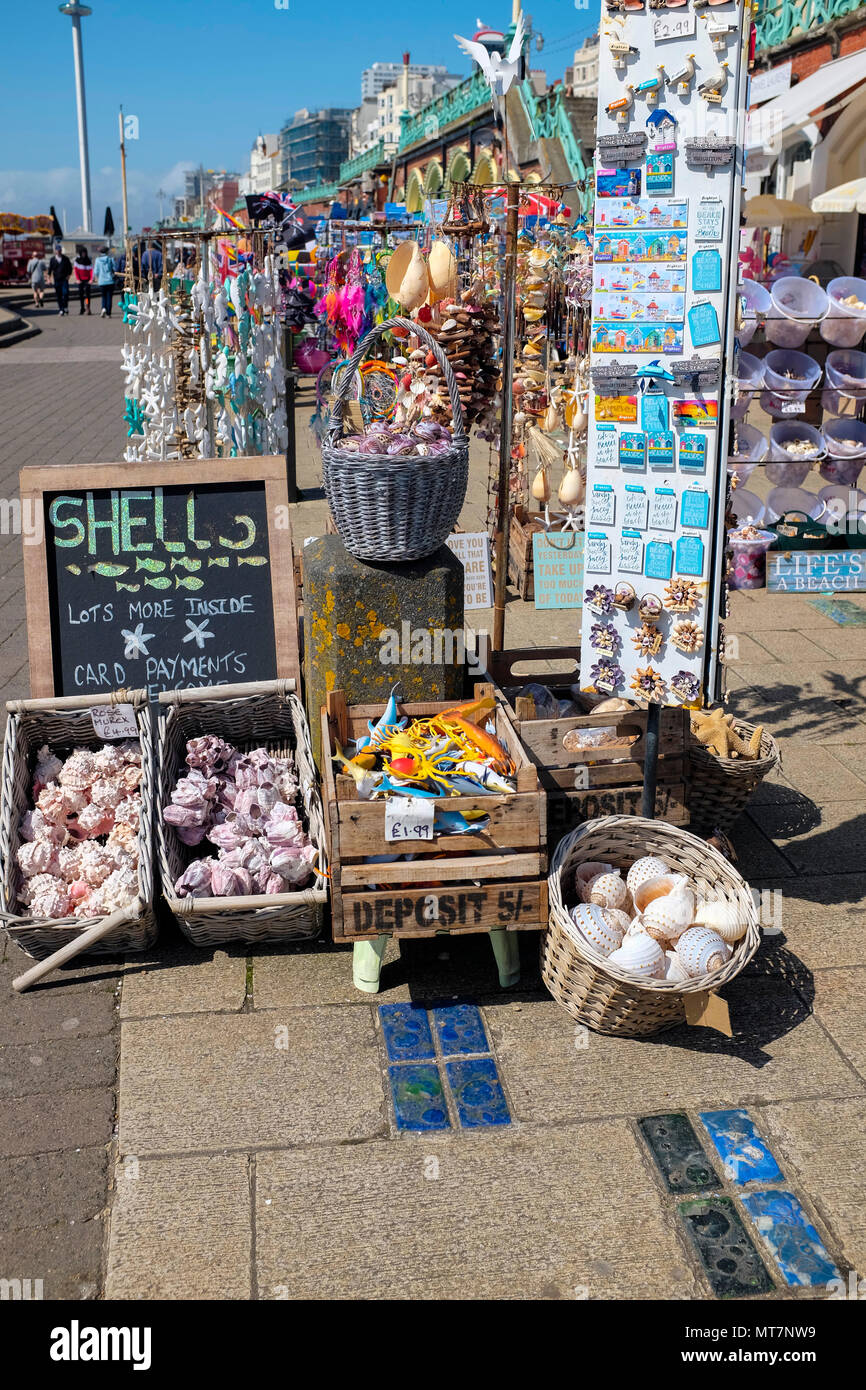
(794, 408)
(409, 818)
(114, 721)
(669, 26)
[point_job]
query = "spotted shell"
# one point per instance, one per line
(594, 928)
(650, 866)
(607, 890)
(641, 956)
(667, 916)
(585, 873)
(722, 917)
(616, 917)
(702, 951)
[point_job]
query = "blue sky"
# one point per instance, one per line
(204, 77)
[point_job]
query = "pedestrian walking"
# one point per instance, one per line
(60, 269)
(83, 272)
(103, 277)
(151, 264)
(36, 275)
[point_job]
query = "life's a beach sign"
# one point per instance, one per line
(180, 577)
(816, 571)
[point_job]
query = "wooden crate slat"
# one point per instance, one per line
(460, 908)
(491, 866)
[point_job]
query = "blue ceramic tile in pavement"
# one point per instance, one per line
(460, 1030)
(478, 1092)
(407, 1032)
(795, 1244)
(742, 1150)
(419, 1102)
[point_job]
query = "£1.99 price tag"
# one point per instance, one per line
(409, 818)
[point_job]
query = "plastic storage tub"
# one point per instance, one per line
(783, 500)
(748, 447)
(757, 303)
(797, 306)
(747, 507)
(789, 470)
(750, 379)
(845, 324)
(748, 569)
(790, 376)
(846, 439)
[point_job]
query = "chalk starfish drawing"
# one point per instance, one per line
(136, 642)
(197, 632)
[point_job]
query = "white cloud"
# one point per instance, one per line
(28, 192)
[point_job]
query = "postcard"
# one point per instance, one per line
(640, 246)
(649, 308)
(652, 213)
(637, 337)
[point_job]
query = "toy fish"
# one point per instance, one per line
(389, 720)
(404, 788)
(186, 562)
(459, 822)
(365, 783)
(161, 582)
(252, 560)
(468, 786)
(188, 581)
(154, 566)
(481, 741)
(487, 776)
(107, 571)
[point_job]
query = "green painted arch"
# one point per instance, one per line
(485, 168)
(414, 193)
(433, 178)
(459, 167)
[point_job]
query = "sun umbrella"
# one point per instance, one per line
(108, 225)
(767, 211)
(58, 230)
(845, 197)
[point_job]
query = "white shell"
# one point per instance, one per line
(617, 918)
(702, 951)
(723, 917)
(675, 970)
(607, 890)
(636, 926)
(650, 866)
(590, 870)
(641, 956)
(595, 930)
(572, 489)
(540, 488)
(668, 916)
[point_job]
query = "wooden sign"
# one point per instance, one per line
(472, 549)
(159, 574)
(816, 571)
(557, 564)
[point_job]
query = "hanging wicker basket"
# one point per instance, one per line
(718, 788)
(395, 508)
(603, 996)
(65, 723)
(265, 714)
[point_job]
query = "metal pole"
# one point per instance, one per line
(123, 174)
(502, 501)
(76, 12)
(651, 763)
(291, 445)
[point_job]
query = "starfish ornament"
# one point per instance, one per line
(715, 730)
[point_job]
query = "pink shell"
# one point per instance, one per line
(68, 861)
(79, 770)
(124, 840)
(38, 857)
(128, 811)
(36, 826)
(107, 791)
(54, 904)
(95, 820)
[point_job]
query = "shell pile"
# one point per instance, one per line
(800, 448)
(852, 302)
(244, 804)
(79, 850)
(467, 337)
(652, 923)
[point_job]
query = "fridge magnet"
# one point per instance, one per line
(625, 147)
(709, 219)
(696, 371)
(663, 244)
(701, 412)
(650, 608)
(660, 450)
(603, 637)
(631, 552)
(618, 183)
(712, 86)
(686, 687)
(682, 76)
(687, 636)
(632, 450)
(690, 555)
(693, 453)
(635, 507)
(706, 271)
(624, 595)
(621, 51)
(695, 507)
(703, 325)
(647, 641)
(663, 510)
(660, 172)
(597, 558)
(659, 560)
(662, 128)
(682, 596)
(640, 279)
(708, 151)
(628, 307)
(719, 31)
(649, 684)
(620, 109)
(599, 599)
(637, 337)
(623, 409)
(658, 214)
(651, 86)
(606, 675)
(605, 447)
(602, 505)
(651, 372)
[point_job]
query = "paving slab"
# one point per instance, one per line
(821, 773)
(44, 1189)
(231, 1081)
(320, 973)
(834, 840)
(758, 859)
(555, 1072)
(821, 918)
(820, 1148)
(182, 979)
(67, 1119)
(39, 1014)
(180, 1229)
(47, 1067)
(839, 996)
(555, 1214)
(67, 1258)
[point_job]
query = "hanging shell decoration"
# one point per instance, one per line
(540, 487)
(572, 489)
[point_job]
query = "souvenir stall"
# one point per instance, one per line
(203, 351)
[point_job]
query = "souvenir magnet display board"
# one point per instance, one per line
(674, 75)
(181, 577)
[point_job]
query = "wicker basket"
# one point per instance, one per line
(265, 714)
(65, 724)
(603, 996)
(717, 789)
(391, 509)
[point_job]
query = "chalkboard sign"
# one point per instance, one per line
(163, 574)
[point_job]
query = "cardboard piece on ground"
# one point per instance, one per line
(707, 1010)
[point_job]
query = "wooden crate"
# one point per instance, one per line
(588, 782)
(456, 883)
(521, 531)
